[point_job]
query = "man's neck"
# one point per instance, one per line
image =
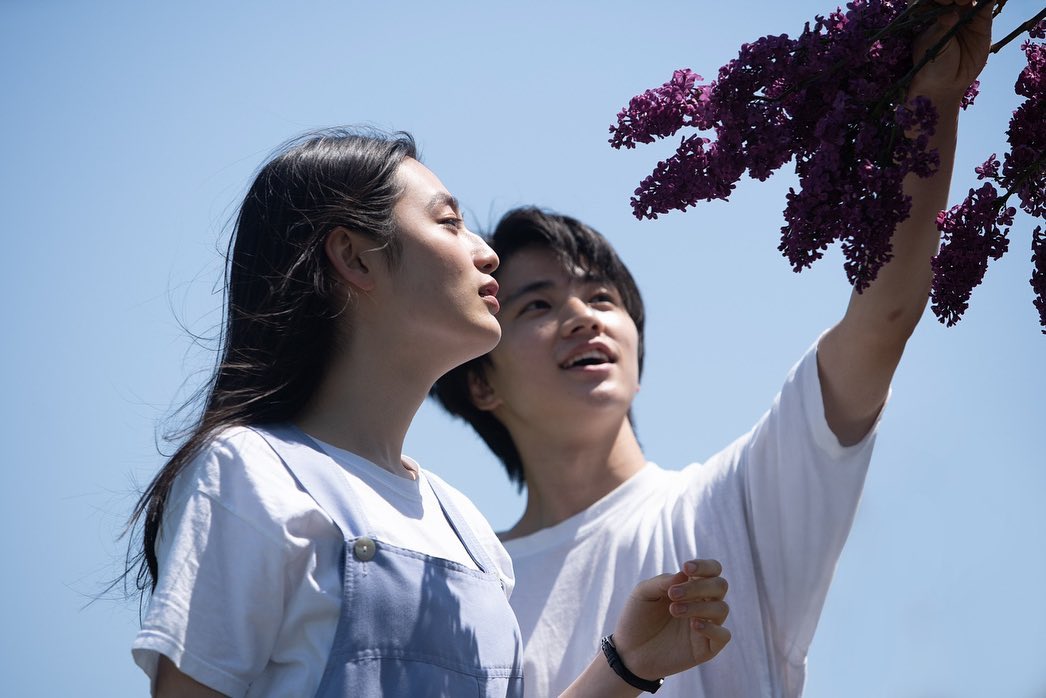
(566, 476)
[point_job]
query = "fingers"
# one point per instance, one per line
(655, 588)
(714, 611)
(699, 588)
(702, 568)
(717, 635)
(700, 596)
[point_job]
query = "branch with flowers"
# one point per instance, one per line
(834, 101)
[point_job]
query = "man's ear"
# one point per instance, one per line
(483, 396)
(345, 251)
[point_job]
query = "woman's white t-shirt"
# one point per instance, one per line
(250, 586)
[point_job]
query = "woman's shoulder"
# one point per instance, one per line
(238, 471)
(231, 459)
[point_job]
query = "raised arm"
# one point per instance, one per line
(856, 359)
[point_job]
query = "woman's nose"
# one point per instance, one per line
(485, 258)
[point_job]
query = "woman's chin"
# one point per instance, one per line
(481, 342)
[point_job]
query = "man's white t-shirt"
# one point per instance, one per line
(250, 583)
(774, 508)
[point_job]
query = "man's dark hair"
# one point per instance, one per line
(579, 247)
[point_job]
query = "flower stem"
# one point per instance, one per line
(904, 16)
(1030, 171)
(1018, 31)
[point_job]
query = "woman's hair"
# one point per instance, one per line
(282, 300)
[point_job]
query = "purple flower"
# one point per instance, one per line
(972, 230)
(971, 94)
(674, 181)
(972, 234)
(1024, 167)
(1038, 274)
(659, 112)
(824, 99)
(989, 169)
(833, 101)
(913, 154)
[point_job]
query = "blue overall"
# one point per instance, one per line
(410, 624)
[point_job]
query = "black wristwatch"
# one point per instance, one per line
(614, 659)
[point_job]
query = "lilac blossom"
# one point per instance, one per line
(833, 100)
(962, 260)
(1024, 168)
(825, 100)
(971, 94)
(659, 112)
(989, 169)
(1038, 274)
(973, 233)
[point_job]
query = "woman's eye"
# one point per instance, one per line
(604, 297)
(454, 222)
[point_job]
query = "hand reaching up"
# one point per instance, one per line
(961, 58)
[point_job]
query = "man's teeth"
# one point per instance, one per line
(588, 358)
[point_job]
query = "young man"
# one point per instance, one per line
(553, 402)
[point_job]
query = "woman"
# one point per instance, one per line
(290, 547)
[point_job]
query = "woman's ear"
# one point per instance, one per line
(345, 251)
(483, 396)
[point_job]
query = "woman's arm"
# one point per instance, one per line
(670, 623)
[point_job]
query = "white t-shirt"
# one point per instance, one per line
(775, 508)
(250, 585)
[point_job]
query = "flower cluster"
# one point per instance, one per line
(834, 100)
(828, 100)
(971, 94)
(971, 230)
(660, 112)
(1024, 168)
(972, 233)
(1038, 275)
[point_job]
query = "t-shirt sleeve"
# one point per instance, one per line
(223, 569)
(801, 489)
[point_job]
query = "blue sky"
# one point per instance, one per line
(130, 130)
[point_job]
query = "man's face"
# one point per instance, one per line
(568, 350)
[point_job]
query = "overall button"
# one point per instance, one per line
(364, 549)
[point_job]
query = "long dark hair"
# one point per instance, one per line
(278, 332)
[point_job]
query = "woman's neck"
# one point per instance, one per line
(365, 404)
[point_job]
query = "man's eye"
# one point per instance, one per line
(536, 304)
(454, 222)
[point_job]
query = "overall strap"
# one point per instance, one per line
(317, 473)
(461, 526)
